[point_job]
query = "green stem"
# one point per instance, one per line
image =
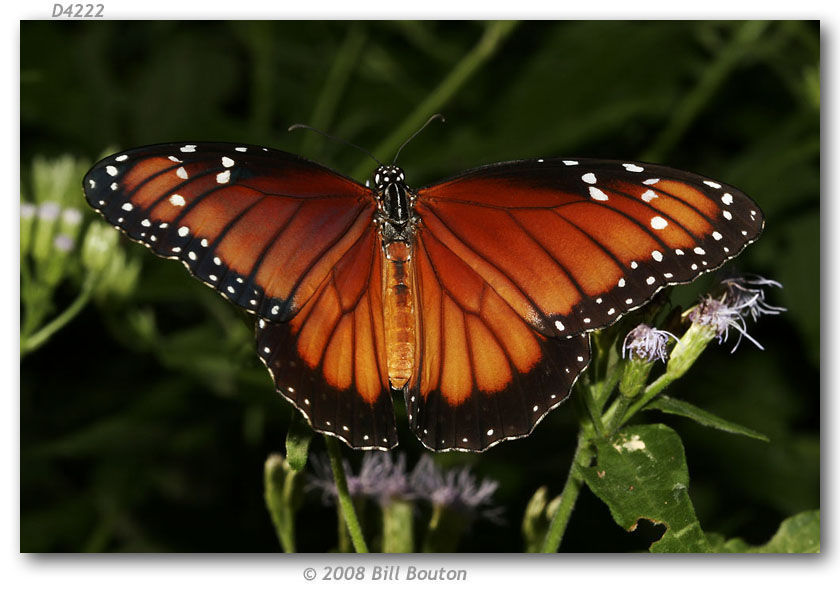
(615, 414)
(712, 79)
(344, 499)
(592, 409)
(494, 35)
(398, 527)
(574, 483)
(32, 342)
(651, 391)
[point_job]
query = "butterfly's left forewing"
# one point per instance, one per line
(262, 227)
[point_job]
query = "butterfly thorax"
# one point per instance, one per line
(395, 204)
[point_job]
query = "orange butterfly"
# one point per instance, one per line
(473, 297)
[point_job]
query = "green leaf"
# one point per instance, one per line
(798, 534)
(640, 473)
(672, 406)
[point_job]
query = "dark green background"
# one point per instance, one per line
(131, 443)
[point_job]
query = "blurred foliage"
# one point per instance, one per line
(146, 419)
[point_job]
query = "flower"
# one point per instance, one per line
(457, 489)
(742, 291)
(63, 243)
(741, 297)
(647, 343)
(379, 477)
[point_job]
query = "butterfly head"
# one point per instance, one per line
(386, 175)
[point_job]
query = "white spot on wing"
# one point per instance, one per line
(657, 255)
(570, 163)
(649, 195)
(111, 170)
(633, 168)
(223, 177)
(726, 198)
(177, 200)
(188, 148)
(589, 177)
(658, 222)
(227, 162)
(559, 325)
(597, 194)
(181, 172)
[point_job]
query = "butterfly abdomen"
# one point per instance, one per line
(398, 307)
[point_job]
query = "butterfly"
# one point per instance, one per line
(473, 298)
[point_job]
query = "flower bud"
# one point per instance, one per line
(27, 222)
(44, 231)
(99, 243)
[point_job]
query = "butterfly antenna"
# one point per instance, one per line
(335, 139)
(414, 135)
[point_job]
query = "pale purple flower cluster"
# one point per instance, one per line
(457, 489)
(647, 343)
(742, 297)
(384, 479)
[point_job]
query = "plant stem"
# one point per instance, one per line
(615, 414)
(574, 482)
(344, 499)
(494, 35)
(34, 341)
(651, 391)
(592, 410)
